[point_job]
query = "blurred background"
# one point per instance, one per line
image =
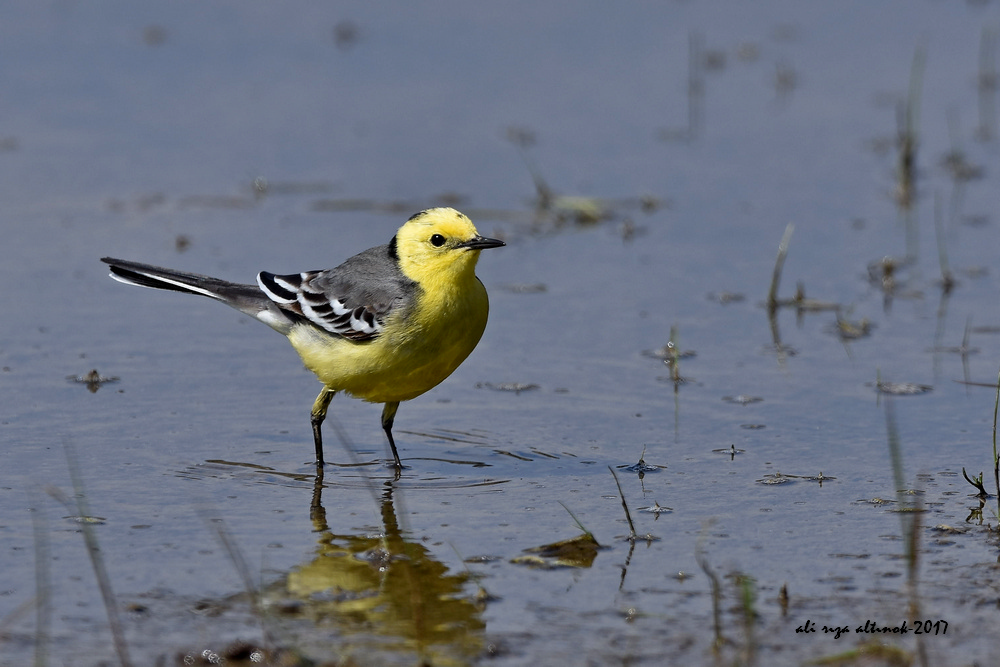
(643, 162)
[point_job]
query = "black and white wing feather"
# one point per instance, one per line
(352, 300)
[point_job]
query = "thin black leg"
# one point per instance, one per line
(388, 416)
(318, 415)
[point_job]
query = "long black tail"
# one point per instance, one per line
(245, 298)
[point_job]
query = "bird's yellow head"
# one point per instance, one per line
(440, 244)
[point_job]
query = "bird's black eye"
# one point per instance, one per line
(437, 240)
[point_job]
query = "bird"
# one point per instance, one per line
(386, 326)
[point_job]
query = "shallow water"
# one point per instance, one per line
(139, 131)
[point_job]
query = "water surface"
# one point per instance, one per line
(228, 139)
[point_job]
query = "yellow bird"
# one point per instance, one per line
(385, 326)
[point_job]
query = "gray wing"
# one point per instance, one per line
(352, 300)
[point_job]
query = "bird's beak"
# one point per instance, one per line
(481, 243)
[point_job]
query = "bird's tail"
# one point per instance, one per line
(248, 299)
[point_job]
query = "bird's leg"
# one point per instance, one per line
(318, 415)
(388, 415)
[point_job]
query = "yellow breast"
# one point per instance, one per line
(418, 347)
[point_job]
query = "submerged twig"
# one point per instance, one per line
(628, 516)
(673, 357)
(579, 524)
(977, 482)
(713, 578)
(908, 138)
(948, 281)
(779, 263)
(895, 454)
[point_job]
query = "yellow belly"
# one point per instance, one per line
(411, 356)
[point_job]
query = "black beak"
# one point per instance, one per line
(481, 243)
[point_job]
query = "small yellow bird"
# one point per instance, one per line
(385, 326)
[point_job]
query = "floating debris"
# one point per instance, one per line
(775, 478)
(669, 352)
(964, 349)
(853, 556)
(959, 167)
(902, 388)
(553, 211)
(847, 330)
(974, 272)
(945, 529)
(656, 508)
(86, 520)
(802, 303)
(641, 466)
(93, 380)
(519, 457)
(726, 298)
(730, 451)
(742, 399)
(780, 478)
(525, 288)
(961, 349)
(577, 552)
(884, 273)
(910, 510)
(671, 355)
(485, 558)
(515, 387)
(578, 209)
(628, 230)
